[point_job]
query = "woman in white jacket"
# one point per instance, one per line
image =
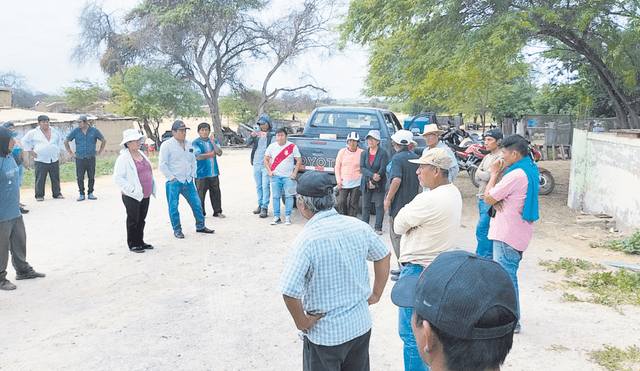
(134, 175)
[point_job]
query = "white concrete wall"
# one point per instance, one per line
(605, 177)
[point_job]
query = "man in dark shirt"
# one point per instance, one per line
(86, 137)
(404, 185)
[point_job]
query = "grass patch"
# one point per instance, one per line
(569, 265)
(104, 166)
(614, 359)
(610, 288)
(629, 245)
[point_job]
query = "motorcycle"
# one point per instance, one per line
(469, 150)
(547, 182)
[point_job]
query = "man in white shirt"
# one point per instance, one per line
(278, 159)
(178, 164)
(44, 143)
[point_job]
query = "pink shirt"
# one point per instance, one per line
(145, 176)
(508, 225)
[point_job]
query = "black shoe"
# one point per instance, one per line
(147, 246)
(395, 272)
(138, 249)
(178, 234)
(257, 211)
(205, 230)
(59, 196)
(23, 210)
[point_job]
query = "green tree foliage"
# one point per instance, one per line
(203, 41)
(233, 105)
(433, 50)
(83, 95)
(151, 94)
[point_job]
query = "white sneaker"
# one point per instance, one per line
(287, 220)
(276, 220)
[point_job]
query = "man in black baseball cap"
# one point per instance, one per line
(464, 312)
(325, 281)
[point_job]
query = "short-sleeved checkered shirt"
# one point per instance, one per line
(327, 269)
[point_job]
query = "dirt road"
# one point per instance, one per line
(208, 302)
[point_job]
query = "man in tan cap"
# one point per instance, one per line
(428, 225)
(431, 136)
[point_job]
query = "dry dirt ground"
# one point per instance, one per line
(208, 302)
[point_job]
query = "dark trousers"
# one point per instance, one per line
(13, 238)
(348, 201)
(211, 184)
(136, 215)
(87, 165)
(41, 171)
(350, 356)
(378, 199)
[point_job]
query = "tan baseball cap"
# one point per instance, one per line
(437, 157)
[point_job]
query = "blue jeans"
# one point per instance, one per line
(20, 174)
(485, 245)
(261, 176)
(277, 184)
(509, 258)
(412, 360)
(188, 191)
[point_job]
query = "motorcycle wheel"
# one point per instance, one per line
(547, 183)
(472, 175)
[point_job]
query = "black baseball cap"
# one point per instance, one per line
(455, 291)
(43, 118)
(82, 118)
(178, 125)
(495, 134)
(312, 184)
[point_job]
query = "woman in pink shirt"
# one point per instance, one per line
(348, 176)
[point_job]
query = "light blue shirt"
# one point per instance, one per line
(453, 169)
(46, 149)
(327, 268)
(177, 162)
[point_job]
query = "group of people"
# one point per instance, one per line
(458, 310)
(275, 168)
(190, 168)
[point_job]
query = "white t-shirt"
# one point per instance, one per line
(285, 168)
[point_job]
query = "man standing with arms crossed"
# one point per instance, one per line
(207, 180)
(492, 139)
(44, 143)
(86, 137)
(325, 280)
(178, 165)
(428, 225)
(279, 161)
(512, 227)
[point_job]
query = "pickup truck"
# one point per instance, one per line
(325, 133)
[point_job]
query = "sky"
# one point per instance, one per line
(37, 38)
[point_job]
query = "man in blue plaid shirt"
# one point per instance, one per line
(325, 281)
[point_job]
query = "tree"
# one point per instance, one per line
(151, 94)
(430, 38)
(295, 33)
(84, 94)
(101, 38)
(203, 41)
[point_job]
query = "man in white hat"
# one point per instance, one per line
(428, 225)
(431, 136)
(404, 184)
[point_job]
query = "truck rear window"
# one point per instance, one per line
(346, 120)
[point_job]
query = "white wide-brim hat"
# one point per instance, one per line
(130, 135)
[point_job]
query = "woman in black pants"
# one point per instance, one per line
(133, 174)
(373, 164)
